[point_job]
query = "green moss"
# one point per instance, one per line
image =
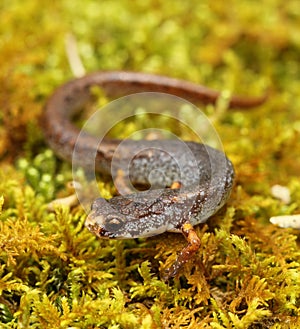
(53, 272)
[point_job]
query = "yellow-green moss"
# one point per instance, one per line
(53, 272)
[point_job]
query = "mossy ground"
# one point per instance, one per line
(53, 272)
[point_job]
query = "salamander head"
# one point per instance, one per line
(105, 222)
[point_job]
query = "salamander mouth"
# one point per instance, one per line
(94, 224)
(100, 231)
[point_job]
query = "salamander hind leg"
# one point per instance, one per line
(187, 253)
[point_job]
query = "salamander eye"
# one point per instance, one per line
(113, 223)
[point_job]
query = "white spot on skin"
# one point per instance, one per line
(292, 221)
(282, 193)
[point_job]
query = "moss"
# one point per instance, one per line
(53, 272)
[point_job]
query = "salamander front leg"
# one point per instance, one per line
(187, 253)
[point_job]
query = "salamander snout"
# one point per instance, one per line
(104, 221)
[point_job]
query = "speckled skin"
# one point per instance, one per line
(206, 176)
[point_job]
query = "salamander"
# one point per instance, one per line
(204, 175)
